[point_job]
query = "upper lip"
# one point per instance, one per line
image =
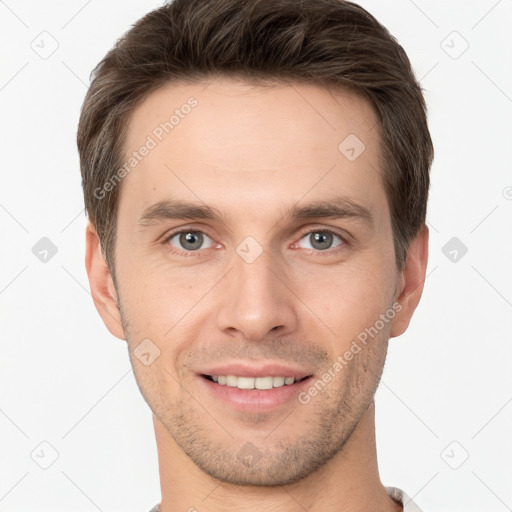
(241, 369)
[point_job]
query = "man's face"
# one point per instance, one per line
(257, 286)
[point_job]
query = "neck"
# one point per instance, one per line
(348, 482)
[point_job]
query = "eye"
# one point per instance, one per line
(188, 240)
(321, 240)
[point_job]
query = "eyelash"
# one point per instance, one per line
(326, 252)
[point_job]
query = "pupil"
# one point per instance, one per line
(322, 240)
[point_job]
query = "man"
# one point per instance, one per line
(256, 177)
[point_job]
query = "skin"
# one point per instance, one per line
(252, 152)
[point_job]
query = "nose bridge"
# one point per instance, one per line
(255, 300)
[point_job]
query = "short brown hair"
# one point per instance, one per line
(329, 42)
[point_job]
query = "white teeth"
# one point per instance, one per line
(264, 382)
(231, 380)
(278, 382)
(243, 382)
(252, 382)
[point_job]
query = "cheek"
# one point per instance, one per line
(159, 299)
(347, 299)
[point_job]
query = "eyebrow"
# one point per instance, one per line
(338, 207)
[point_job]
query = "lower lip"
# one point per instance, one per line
(255, 400)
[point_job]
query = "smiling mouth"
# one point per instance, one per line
(267, 382)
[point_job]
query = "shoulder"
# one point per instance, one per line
(400, 496)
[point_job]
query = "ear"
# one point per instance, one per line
(410, 282)
(103, 291)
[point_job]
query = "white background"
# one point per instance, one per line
(446, 391)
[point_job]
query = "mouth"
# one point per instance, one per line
(254, 395)
(248, 383)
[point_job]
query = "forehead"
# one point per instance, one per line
(242, 146)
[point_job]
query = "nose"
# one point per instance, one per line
(256, 299)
